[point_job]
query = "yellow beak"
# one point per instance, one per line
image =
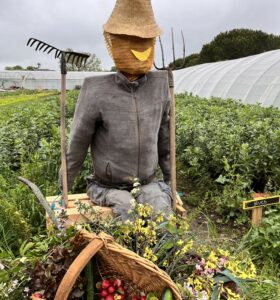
(142, 56)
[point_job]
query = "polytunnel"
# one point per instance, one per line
(42, 79)
(252, 79)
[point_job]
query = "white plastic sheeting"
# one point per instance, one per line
(252, 79)
(42, 79)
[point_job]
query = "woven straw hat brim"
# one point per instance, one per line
(133, 17)
(146, 32)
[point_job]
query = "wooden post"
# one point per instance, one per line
(172, 139)
(257, 216)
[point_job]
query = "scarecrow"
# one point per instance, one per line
(124, 117)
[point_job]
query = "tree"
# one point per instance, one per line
(233, 44)
(93, 64)
(238, 43)
(16, 68)
(113, 69)
(30, 68)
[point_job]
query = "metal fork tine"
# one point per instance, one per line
(173, 46)
(172, 66)
(184, 49)
(162, 53)
(184, 45)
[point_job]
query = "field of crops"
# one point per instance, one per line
(225, 152)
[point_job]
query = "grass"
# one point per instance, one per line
(268, 285)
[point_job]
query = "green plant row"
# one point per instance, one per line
(13, 99)
(226, 150)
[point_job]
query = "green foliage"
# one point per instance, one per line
(13, 227)
(233, 44)
(225, 150)
(30, 147)
(268, 284)
(238, 43)
(20, 275)
(264, 241)
(14, 68)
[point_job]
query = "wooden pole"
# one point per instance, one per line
(257, 216)
(172, 139)
(63, 140)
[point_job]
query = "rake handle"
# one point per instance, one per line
(63, 140)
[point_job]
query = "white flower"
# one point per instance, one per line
(2, 267)
(14, 283)
(132, 203)
(79, 227)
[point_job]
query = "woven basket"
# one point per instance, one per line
(117, 261)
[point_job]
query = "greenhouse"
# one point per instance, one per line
(252, 79)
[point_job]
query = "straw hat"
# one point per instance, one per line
(133, 17)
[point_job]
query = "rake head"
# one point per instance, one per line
(76, 58)
(174, 67)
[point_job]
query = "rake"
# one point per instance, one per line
(79, 59)
(172, 133)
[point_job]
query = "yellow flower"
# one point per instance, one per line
(148, 253)
(231, 295)
(223, 252)
(187, 247)
(180, 242)
(159, 219)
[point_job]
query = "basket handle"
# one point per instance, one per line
(76, 268)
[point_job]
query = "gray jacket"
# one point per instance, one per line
(125, 123)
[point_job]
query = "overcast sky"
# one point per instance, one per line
(77, 24)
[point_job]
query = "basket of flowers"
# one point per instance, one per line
(124, 274)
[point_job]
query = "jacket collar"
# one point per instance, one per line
(130, 86)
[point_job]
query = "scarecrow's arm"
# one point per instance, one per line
(82, 130)
(163, 144)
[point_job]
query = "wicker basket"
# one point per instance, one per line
(116, 260)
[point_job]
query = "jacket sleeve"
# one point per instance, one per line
(163, 143)
(82, 130)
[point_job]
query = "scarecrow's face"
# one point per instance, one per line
(131, 54)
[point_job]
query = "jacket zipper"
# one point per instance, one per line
(138, 130)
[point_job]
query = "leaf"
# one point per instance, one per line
(25, 247)
(221, 179)
(171, 228)
(221, 279)
(239, 283)
(216, 293)
(168, 245)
